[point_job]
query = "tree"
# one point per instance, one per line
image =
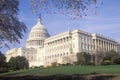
(117, 60)
(2, 58)
(98, 57)
(12, 63)
(17, 63)
(54, 64)
(80, 58)
(11, 29)
(3, 64)
(84, 58)
(106, 62)
(112, 56)
(71, 8)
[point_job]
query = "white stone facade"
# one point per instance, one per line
(43, 50)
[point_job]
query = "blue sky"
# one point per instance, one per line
(105, 22)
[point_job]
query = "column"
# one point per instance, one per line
(109, 46)
(39, 42)
(99, 45)
(105, 46)
(102, 45)
(95, 45)
(112, 46)
(35, 42)
(115, 47)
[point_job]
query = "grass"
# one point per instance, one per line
(68, 70)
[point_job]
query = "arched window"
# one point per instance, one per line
(52, 56)
(60, 54)
(67, 53)
(55, 55)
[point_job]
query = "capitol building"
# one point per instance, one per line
(43, 50)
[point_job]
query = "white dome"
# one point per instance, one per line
(37, 35)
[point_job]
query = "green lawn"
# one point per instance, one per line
(68, 70)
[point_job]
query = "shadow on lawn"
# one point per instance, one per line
(62, 77)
